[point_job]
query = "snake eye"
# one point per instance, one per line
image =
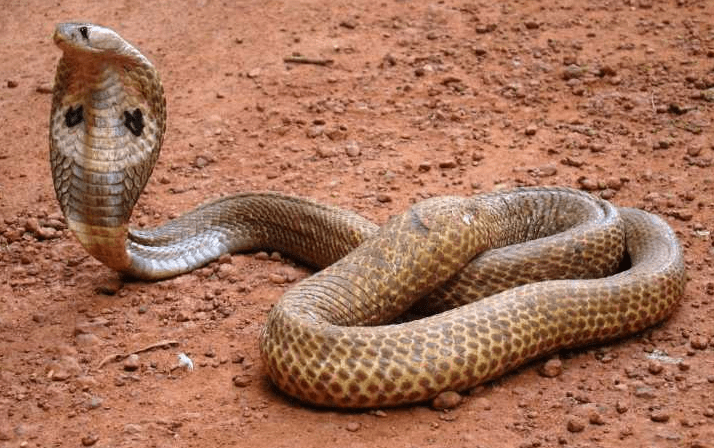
(84, 32)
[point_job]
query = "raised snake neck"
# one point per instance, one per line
(328, 341)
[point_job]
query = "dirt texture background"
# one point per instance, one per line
(420, 99)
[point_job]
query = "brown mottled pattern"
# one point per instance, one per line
(531, 270)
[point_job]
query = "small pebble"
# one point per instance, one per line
(109, 287)
(621, 407)
(531, 129)
(645, 392)
(353, 426)
(352, 149)
(424, 167)
(11, 83)
(654, 367)
(446, 400)
(94, 402)
(276, 278)
(241, 381)
(552, 368)
(588, 184)
(572, 71)
(659, 416)
(131, 363)
(262, 256)
(699, 342)
(596, 418)
(575, 424)
(90, 439)
(384, 197)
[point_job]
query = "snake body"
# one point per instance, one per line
(329, 340)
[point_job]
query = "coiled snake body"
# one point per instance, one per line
(329, 340)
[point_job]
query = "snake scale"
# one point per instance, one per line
(331, 340)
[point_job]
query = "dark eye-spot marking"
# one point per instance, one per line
(84, 32)
(73, 116)
(134, 121)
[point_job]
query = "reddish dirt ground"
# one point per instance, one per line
(421, 99)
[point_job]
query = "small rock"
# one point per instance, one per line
(384, 197)
(596, 418)
(588, 184)
(606, 70)
(478, 50)
(350, 23)
(484, 28)
(645, 392)
(47, 233)
(446, 400)
(447, 164)
(90, 439)
(276, 278)
(682, 215)
(424, 167)
(200, 162)
(86, 382)
(65, 368)
(11, 83)
(699, 342)
(353, 426)
(352, 149)
(531, 129)
(531, 25)
(87, 340)
(575, 424)
(241, 381)
(654, 367)
(32, 225)
(544, 171)
(132, 428)
(572, 71)
(659, 416)
(314, 132)
(131, 363)
(572, 161)
(262, 255)
(254, 73)
(552, 368)
(109, 287)
(483, 403)
(184, 315)
(614, 183)
(621, 407)
(608, 193)
(94, 402)
(388, 59)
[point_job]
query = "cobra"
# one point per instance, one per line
(331, 340)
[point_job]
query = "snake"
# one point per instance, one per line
(453, 292)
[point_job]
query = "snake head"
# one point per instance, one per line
(88, 38)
